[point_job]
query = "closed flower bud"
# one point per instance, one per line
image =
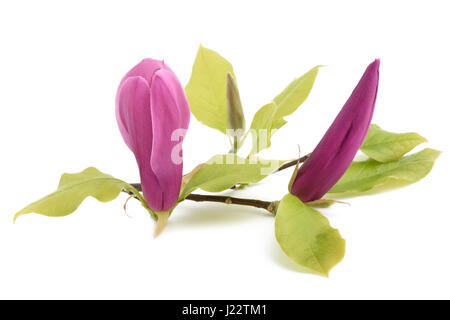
(335, 152)
(236, 118)
(153, 115)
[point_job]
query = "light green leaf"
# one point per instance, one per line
(74, 188)
(371, 176)
(206, 90)
(222, 172)
(271, 116)
(295, 93)
(324, 203)
(385, 146)
(306, 236)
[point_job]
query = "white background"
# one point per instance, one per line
(60, 64)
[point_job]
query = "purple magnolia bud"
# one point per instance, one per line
(335, 152)
(153, 115)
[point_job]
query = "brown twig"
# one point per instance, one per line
(137, 186)
(292, 163)
(270, 206)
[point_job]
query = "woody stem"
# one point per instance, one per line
(270, 206)
(292, 163)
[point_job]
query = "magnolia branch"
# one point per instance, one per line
(292, 163)
(270, 206)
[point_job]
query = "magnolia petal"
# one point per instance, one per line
(122, 117)
(176, 89)
(169, 112)
(145, 69)
(134, 97)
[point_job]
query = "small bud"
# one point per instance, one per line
(236, 118)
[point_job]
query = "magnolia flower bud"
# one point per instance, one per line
(335, 152)
(151, 111)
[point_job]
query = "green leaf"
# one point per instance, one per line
(324, 203)
(306, 236)
(206, 90)
(222, 172)
(385, 146)
(271, 116)
(74, 188)
(371, 176)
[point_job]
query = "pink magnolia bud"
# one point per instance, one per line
(153, 115)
